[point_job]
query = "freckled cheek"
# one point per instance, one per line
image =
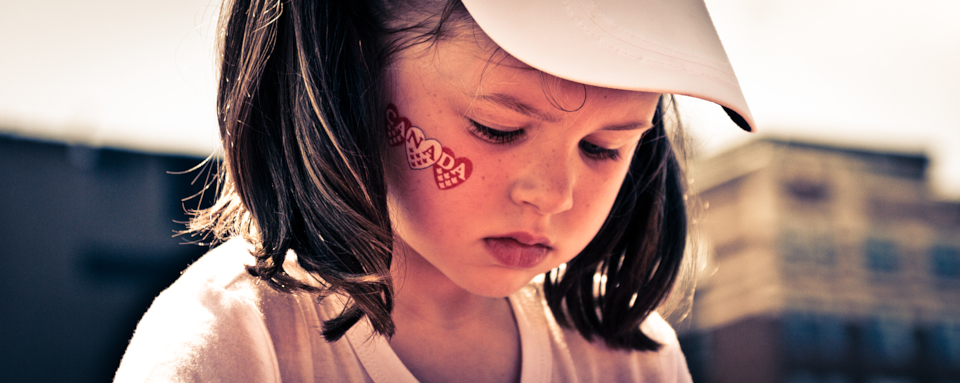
(597, 197)
(490, 170)
(416, 214)
(424, 203)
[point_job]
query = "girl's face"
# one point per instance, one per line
(498, 172)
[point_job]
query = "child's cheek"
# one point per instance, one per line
(424, 153)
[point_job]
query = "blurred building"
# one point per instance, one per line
(88, 243)
(828, 264)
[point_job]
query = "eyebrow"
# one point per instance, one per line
(525, 109)
(637, 126)
(516, 105)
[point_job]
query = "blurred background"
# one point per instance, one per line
(832, 237)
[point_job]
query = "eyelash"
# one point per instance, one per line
(495, 136)
(501, 137)
(599, 153)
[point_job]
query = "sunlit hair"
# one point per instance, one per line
(300, 106)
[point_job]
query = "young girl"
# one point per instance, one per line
(399, 171)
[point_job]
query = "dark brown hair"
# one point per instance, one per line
(631, 265)
(300, 105)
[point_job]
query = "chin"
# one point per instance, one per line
(494, 287)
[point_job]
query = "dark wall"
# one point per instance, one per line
(746, 351)
(88, 244)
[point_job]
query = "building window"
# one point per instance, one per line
(889, 379)
(814, 337)
(804, 376)
(799, 335)
(945, 344)
(832, 342)
(803, 246)
(801, 377)
(881, 255)
(945, 261)
(889, 341)
(807, 190)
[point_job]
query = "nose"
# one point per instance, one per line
(545, 185)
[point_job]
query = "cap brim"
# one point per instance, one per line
(662, 46)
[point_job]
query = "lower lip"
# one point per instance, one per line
(511, 253)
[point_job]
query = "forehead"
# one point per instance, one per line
(468, 62)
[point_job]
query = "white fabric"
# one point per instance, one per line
(662, 46)
(219, 324)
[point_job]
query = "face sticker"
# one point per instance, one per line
(449, 170)
(396, 126)
(421, 152)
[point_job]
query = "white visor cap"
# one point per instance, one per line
(661, 46)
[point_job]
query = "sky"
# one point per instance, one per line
(140, 75)
(868, 74)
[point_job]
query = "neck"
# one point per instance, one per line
(423, 293)
(444, 332)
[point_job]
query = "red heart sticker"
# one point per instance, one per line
(450, 171)
(421, 152)
(396, 126)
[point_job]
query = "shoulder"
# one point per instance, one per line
(578, 359)
(207, 326)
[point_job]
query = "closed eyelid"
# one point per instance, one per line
(495, 135)
(598, 152)
(491, 124)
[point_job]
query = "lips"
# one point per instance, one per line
(520, 250)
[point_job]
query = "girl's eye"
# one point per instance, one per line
(599, 153)
(495, 136)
